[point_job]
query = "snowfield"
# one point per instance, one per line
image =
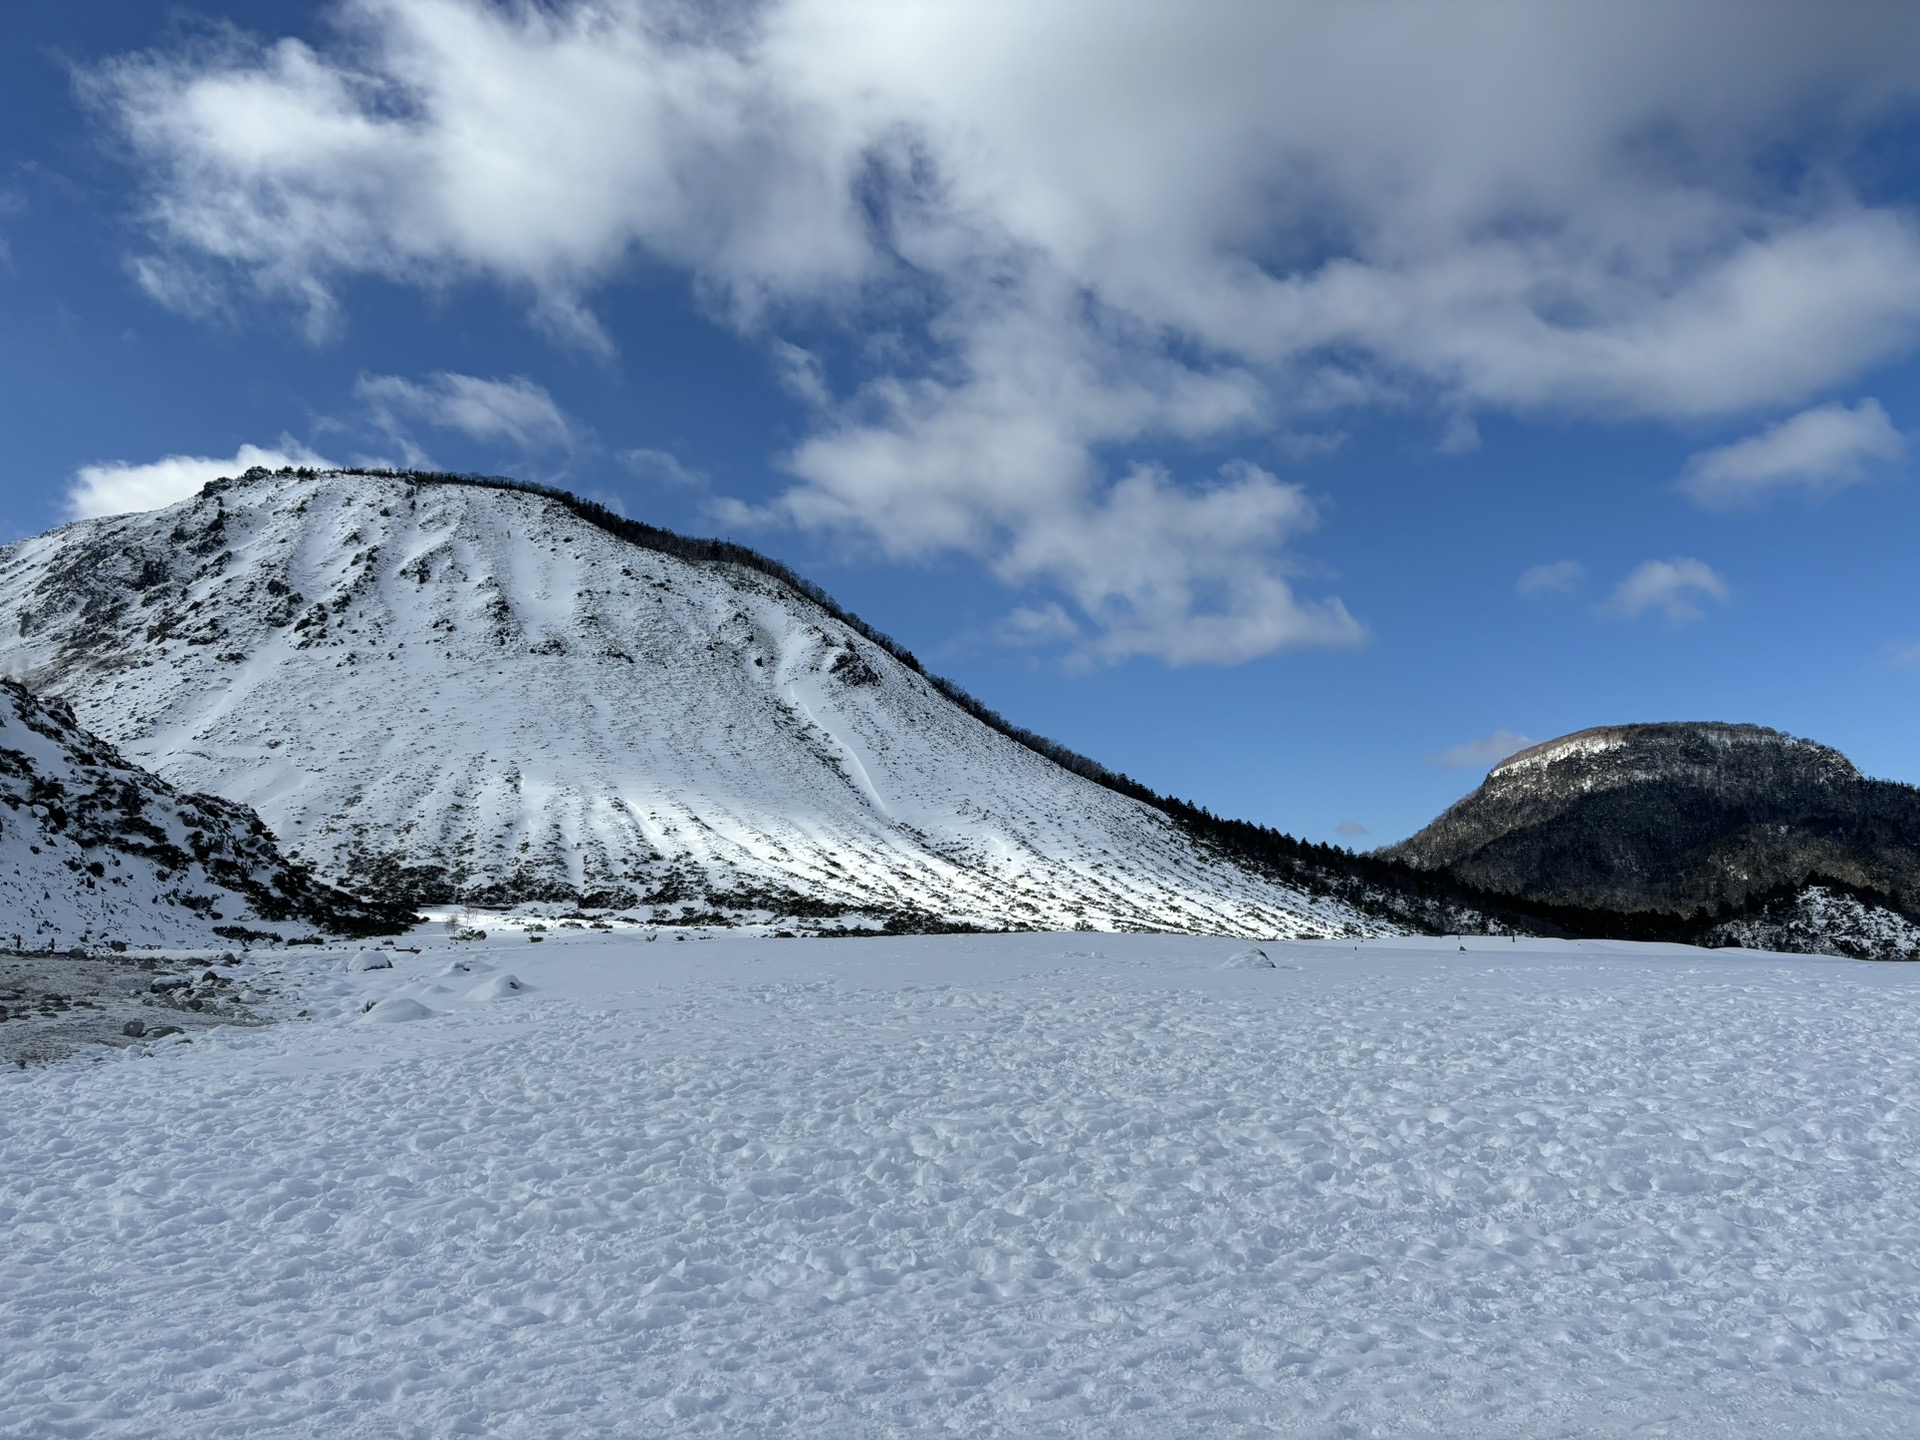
(1036, 1185)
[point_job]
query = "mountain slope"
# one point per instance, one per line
(451, 691)
(1688, 818)
(93, 849)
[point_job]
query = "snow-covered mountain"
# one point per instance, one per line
(446, 691)
(93, 850)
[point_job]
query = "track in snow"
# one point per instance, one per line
(1033, 1185)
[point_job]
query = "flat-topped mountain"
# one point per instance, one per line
(94, 849)
(1679, 817)
(444, 690)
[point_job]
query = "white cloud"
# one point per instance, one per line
(1558, 577)
(1673, 587)
(1818, 450)
(516, 411)
(1484, 753)
(118, 488)
(1350, 827)
(1096, 223)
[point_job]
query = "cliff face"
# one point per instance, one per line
(1677, 817)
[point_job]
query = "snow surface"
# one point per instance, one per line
(1037, 1185)
(479, 685)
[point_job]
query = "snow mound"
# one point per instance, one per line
(1251, 959)
(369, 960)
(498, 987)
(395, 1010)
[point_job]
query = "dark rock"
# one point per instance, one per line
(134, 1029)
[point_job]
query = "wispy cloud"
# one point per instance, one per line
(1558, 577)
(1903, 654)
(1818, 450)
(1350, 827)
(515, 411)
(663, 468)
(1674, 587)
(120, 487)
(1482, 754)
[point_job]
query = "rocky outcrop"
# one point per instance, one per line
(95, 851)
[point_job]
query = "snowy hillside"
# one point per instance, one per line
(450, 692)
(1821, 920)
(93, 850)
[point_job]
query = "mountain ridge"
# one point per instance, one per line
(513, 694)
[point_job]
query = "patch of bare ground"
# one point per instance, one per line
(54, 1006)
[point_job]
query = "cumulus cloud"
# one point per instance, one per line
(119, 488)
(1818, 450)
(1558, 577)
(1484, 753)
(1093, 224)
(515, 411)
(1675, 588)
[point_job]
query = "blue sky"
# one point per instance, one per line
(1292, 409)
